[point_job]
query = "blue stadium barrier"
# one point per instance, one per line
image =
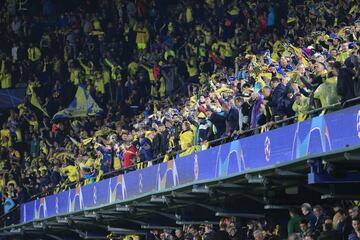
(331, 132)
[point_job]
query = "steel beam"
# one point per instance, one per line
(255, 179)
(196, 222)
(204, 190)
(158, 227)
(241, 215)
(62, 220)
(127, 219)
(54, 236)
(106, 217)
(110, 212)
(80, 218)
(340, 196)
(272, 206)
(156, 199)
(230, 186)
(91, 214)
(125, 231)
(175, 194)
(125, 208)
(143, 205)
(167, 215)
(286, 173)
(352, 156)
(209, 207)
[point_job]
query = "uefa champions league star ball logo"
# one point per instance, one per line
(267, 149)
(196, 167)
(358, 124)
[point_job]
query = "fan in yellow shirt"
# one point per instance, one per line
(87, 67)
(192, 67)
(34, 123)
(74, 73)
(34, 53)
(186, 136)
(5, 80)
(4, 132)
(193, 71)
(5, 136)
(71, 172)
(142, 35)
(99, 83)
(2, 181)
(132, 68)
(189, 15)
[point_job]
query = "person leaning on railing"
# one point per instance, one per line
(301, 106)
(8, 205)
(348, 84)
(70, 171)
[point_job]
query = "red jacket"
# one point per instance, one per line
(215, 58)
(129, 155)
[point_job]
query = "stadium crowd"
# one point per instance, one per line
(170, 76)
(311, 223)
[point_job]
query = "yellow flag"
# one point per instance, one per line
(166, 158)
(87, 140)
(266, 75)
(35, 102)
(355, 8)
(299, 54)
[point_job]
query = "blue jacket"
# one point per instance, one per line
(276, 97)
(353, 236)
(311, 218)
(8, 205)
(146, 150)
(271, 17)
(105, 162)
(232, 120)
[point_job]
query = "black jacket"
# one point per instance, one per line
(319, 223)
(55, 178)
(44, 181)
(344, 228)
(156, 144)
(210, 236)
(345, 83)
(276, 97)
(222, 235)
(220, 123)
(23, 196)
(286, 106)
(232, 120)
(329, 235)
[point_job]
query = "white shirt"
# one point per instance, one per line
(14, 51)
(15, 26)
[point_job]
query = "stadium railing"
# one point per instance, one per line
(13, 215)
